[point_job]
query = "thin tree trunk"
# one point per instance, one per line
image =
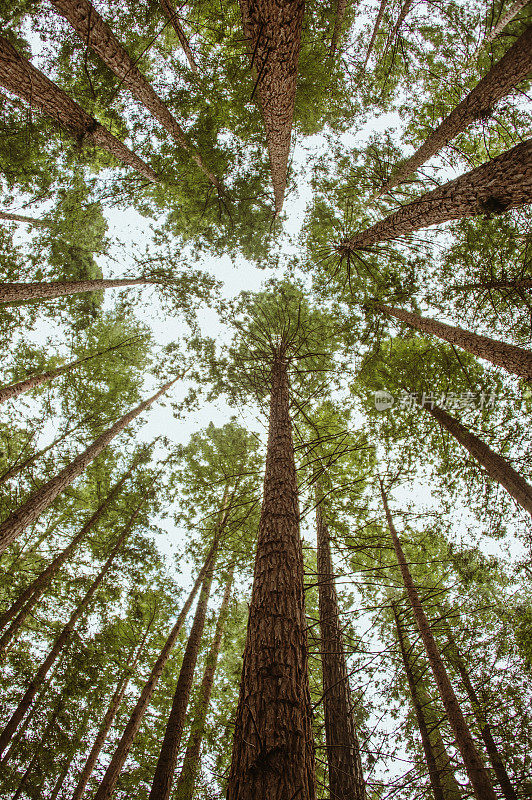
(20, 77)
(185, 786)
(378, 21)
(114, 769)
(520, 283)
(341, 8)
(273, 751)
(273, 32)
(40, 223)
(172, 15)
(21, 292)
(40, 500)
(95, 33)
(405, 8)
(38, 749)
(503, 183)
(346, 779)
(515, 360)
(73, 750)
(18, 467)
(476, 772)
(507, 17)
(497, 468)
(513, 68)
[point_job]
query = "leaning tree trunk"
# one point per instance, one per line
(40, 223)
(513, 68)
(518, 283)
(172, 15)
(507, 17)
(405, 8)
(497, 467)
(40, 500)
(503, 183)
(341, 8)
(20, 77)
(476, 772)
(38, 750)
(95, 33)
(18, 466)
(273, 32)
(346, 779)
(273, 751)
(185, 786)
(21, 292)
(513, 359)
(70, 758)
(376, 27)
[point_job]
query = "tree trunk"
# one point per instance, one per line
(346, 779)
(18, 467)
(20, 77)
(513, 68)
(273, 751)
(497, 468)
(40, 223)
(95, 33)
(273, 32)
(519, 283)
(40, 500)
(21, 292)
(341, 8)
(476, 772)
(515, 360)
(70, 758)
(503, 183)
(378, 21)
(37, 752)
(405, 8)
(112, 773)
(507, 17)
(185, 786)
(172, 15)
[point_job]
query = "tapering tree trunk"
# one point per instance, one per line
(346, 779)
(172, 15)
(513, 68)
(185, 786)
(497, 468)
(114, 769)
(70, 758)
(20, 77)
(40, 500)
(21, 292)
(476, 772)
(405, 8)
(503, 183)
(37, 751)
(273, 32)
(519, 283)
(273, 751)
(96, 34)
(376, 27)
(505, 18)
(515, 360)
(19, 466)
(341, 8)
(8, 217)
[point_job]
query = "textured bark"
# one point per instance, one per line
(40, 500)
(341, 8)
(172, 15)
(185, 786)
(20, 77)
(405, 8)
(273, 751)
(476, 772)
(8, 217)
(513, 68)
(273, 32)
(96, 34)
(503, 183)
(21, 292)
(515, 360)
(346, 779)
(507, 17)
(112, 773)
(495, 465)
(376, 27)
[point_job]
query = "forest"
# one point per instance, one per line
(265, 395)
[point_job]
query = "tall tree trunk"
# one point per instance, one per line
(21, 292)
(40, 500)
(376, 27)
(114, 769)
(495, 465)
(476, 772)
(273, 32)
(505, 18)
(18, 466)
(346, 779)
(405, 8)
(503, 183)
(8, 217)
(172, 15)
(185, 786)
(515, 360)
(273, 751)
(58, 785)
(95, 33)
(37, 751)
(341, 8)
(20, 77)
(519, 283)
(513, 68)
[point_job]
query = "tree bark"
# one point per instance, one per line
(8, 217)
(515, 360)
(273, 751)
(376, 27)
(40, 500)
(497, 468)
(70, 758)
(19, 466)
(20, 77)
(513, 68)
(405, 8)
(341, 8)
(346, 779)
(21, 292)
(172, 15)
(273, 32)
(37, 752)
(476, 772)
(503, 183)
(507, 17)
(519, 283)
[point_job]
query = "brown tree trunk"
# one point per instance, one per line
(495, 465)
(378, 21)
(19, 466)
(503, 183)
(346, 779)
(21, 292)
(507, 17)
(515, 360)
(185, 786)
(70, 758)
(38, 749)
(519, 283)
(172, 15)
(341, 8)
(40, 500)
(273, 750)
(405, 8)
(114, 769)
(20, 77)
(513, 68)
(476, 772)
(8, 217)
(273, 32)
